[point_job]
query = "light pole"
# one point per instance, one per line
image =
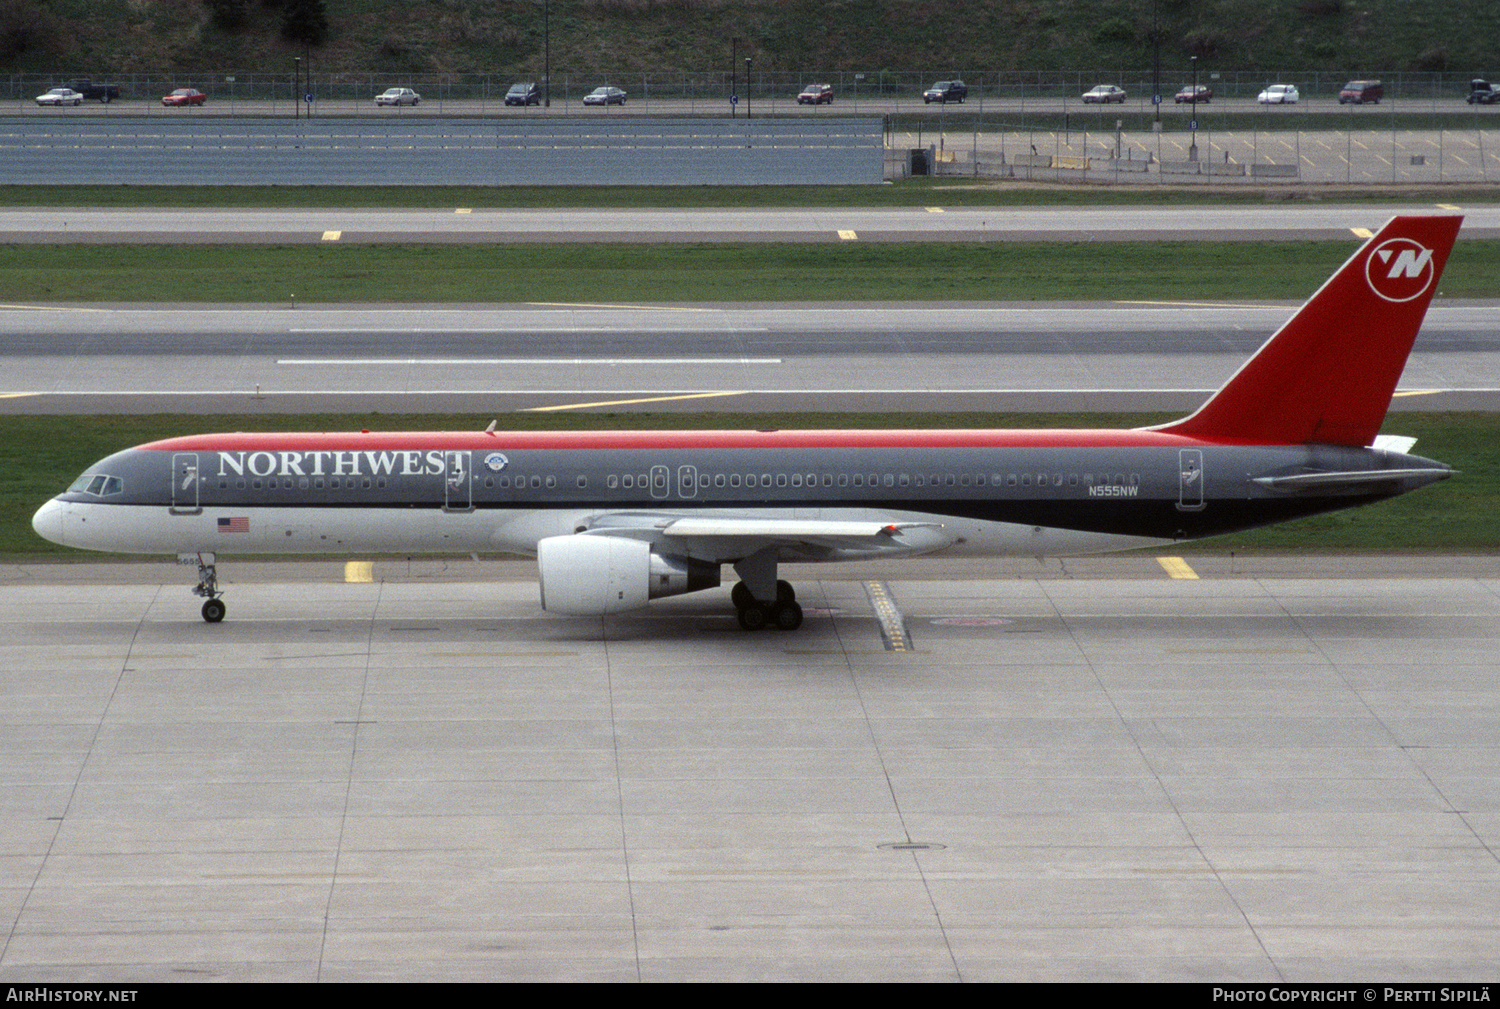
(1193, 144)
(747, 87)
(296, 87)
(546, 54)
(1156, 60)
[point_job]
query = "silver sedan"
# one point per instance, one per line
(60, 96)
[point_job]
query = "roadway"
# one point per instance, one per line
(571, 105)
(935, 223)
(618, 358)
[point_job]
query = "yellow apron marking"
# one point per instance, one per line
(848, 236)
(332, 236)
(358, 572)
(1176, 567)
(892, 621)
(1362, 232)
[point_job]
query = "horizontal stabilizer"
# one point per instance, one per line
(1369, 481)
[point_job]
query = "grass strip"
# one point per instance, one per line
(41, 455)
(698, 272)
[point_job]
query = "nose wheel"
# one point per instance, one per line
(208, 586)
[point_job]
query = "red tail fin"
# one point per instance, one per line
(1328, 374)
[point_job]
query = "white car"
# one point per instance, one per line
(60, 96)
(398, 96)
(1279, 94)
(1103, 94)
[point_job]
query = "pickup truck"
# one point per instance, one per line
(92, 91)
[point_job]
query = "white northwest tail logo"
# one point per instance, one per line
(1399, 269)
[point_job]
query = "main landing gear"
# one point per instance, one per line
(784, 614)
(760, 599)
(208, 585)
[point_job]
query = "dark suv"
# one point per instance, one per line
(945, 92)
(523, 94)
(1482, 92)
(1361, 93)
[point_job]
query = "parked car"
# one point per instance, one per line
(398, 96)
(816, 94)
(945, 92)
(1361, 93)
(94, 92)
(185, 96)
(60, 96)
(1103, 94)
(1482, 92)
(1200, 94)
(604, 96)
(527, 93)
(1279, 94)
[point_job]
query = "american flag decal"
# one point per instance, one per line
(239, 524)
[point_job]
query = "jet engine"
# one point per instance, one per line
(594, 575)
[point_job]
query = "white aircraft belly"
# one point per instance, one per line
(149, 529)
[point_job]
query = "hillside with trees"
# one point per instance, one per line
(103, 37)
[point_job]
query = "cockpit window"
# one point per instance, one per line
(97, 484)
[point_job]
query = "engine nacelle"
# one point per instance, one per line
(595, 575)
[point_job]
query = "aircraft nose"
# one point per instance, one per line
(48, 521)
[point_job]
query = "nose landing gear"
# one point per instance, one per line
(208, 585)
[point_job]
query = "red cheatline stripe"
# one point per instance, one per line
(605, 440)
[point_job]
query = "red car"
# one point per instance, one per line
(185, 96)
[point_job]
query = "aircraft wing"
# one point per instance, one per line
(726, 537)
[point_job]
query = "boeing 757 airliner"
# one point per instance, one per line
(618, 518)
